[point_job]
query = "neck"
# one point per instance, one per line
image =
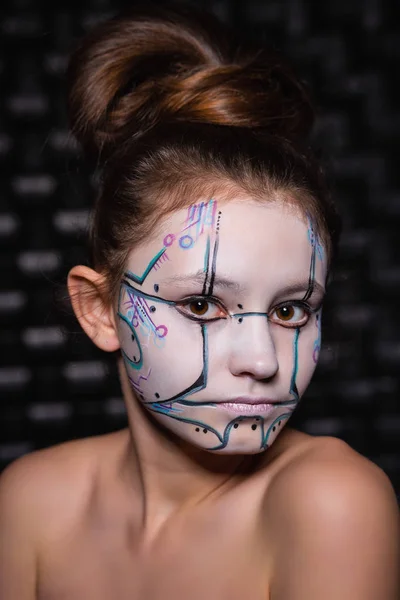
(169, 474)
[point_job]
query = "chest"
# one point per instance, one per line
(217, 563)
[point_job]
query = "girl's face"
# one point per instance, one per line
(219, 321)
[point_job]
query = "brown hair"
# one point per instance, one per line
(173, 109)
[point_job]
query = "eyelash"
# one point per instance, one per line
(210, 300)
(206, 299)
(308, 310)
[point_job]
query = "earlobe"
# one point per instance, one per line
(86, 288)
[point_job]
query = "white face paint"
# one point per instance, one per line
(219, 321)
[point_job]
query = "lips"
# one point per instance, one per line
(249, 405)
(250, 400)
(247, 408)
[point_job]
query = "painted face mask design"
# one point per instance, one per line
(219, 322)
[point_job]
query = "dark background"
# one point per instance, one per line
(54, 384)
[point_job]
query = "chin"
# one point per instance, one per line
(240, 436)
(232, 451)
(245, 447)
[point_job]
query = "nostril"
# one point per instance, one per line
(264, 370)
(252, 352)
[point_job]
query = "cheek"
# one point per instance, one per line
(164, 356)
(308, 353)
(296, 359)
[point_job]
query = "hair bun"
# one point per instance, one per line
(154, 65)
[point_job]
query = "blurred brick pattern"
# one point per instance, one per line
(54, 384)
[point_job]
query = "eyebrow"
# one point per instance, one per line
(198, 278)
(301, 286)
(223, 282)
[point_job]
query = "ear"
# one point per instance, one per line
(87, 288)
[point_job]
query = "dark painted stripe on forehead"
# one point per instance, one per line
(213, 267)
(214, 258)
(206, 265)
(311, 277)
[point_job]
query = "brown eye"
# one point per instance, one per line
(290, 315)
(285, 313)
(199, 307)
(202, 309)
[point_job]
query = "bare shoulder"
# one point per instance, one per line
(328, 465)
(335, 513)
(327, 474)
(53, 484)
(42, 495)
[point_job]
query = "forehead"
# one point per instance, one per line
(256, 241)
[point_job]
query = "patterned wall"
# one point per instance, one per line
(54, 384)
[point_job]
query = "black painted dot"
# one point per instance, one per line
(157, 395)
(204, 430)
(279, 423)
(240, 305)
(197, 428)
(257, 418)
(219, 212)
(236, 425)
(254, 427)
(133, 337)
(152, 308)
(240, 320)
(156, 287)
(134, 358)
(273, 429)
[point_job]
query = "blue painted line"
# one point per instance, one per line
(293, 388)
(193, 422)
(139, 364)
(207, 255)
(144, 295)
(266, 436)
(140, 278)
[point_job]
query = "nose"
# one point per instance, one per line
(253, 351)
